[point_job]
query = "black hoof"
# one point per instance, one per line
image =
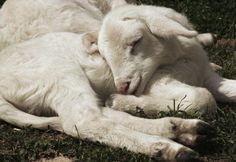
(187, 156)
(157, 156)
(201, 139)
(205, 129)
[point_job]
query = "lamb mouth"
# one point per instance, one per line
(134, 85)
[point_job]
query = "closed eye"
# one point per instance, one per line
(134, 44)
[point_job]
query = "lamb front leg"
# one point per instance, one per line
(107, 131)
(173, 95)
(133, 104)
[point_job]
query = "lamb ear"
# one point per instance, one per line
(165, 27)
(89, 41)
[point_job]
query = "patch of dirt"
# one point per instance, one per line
(226, 42)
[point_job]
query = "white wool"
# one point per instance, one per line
(63, 76)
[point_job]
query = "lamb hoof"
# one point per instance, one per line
(205, 129)
(187, 156)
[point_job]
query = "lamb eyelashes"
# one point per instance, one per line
(134, 44)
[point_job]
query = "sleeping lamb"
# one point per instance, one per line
(56, 75)
(62, 73)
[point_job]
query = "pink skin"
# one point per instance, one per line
(123, 87)
(128, 86)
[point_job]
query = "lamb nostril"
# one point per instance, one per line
(127, 84)
(123, 87)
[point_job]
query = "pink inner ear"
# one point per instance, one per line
(89, 41)
(93, 48)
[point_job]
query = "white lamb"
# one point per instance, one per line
(25, 19)
(37, 17)
(50, 76)
(158, 58)
(59, 73)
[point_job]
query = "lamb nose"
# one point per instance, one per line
(124, 87)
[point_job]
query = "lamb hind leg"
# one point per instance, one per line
(105, 130)
(19, 118)
(190, 132)
(162, 149)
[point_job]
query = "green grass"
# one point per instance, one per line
(215, 16)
